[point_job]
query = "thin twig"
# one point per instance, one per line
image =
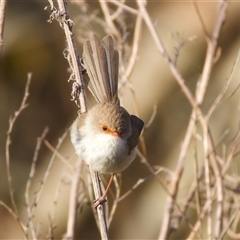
(8, 142)
(137, 184)
(54, 150)
(108, 18)
(230, 156)
(102, 222)
(115, 203)
(75, 64)
(224, 89)
(3, 4)
(211, 50)
(233, 216)
(154, 113)
(197, 177)
(52, 215)
(125, 7)
(31, 207)
(165, 55)
(200, 93)
(73, 201)
(16, 217)
(201, 19)
(223, 171)
(135, 46)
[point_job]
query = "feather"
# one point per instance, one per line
(137, 126)
(112, 63)
(101, 61)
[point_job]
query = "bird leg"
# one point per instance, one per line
(102, 199)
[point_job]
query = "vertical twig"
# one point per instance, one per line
(75, 64)
(165, 55)
(125, 7)
(209, 61)
(225, 87)
(202, 24)
(8, 142)
(73, 201)
(31, 207)
(109, 20)
(211, 51)
(135, 46)
(208, 143)
(100, 209)
(180, 163)
(51, 216)
(200, 93)
(3, 4)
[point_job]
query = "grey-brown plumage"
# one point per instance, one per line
(106, 136)
(101, 61)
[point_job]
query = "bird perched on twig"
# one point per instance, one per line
(106, 136)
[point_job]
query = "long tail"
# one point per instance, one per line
(101, 61)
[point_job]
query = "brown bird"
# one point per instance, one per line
(106, 136)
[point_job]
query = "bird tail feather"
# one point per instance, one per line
(101, 61)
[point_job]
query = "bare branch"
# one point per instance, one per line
(115, 203)
(137, 184)
(124, 6)
(100, 209)
(200, 93)
(73, 201)
(217, 101)
(3, 4)
(135, 46)
(154, 113)
(71, 52)
(165, 55)
(8, 142)
(109, 20)
(75, 65)
(31, 207)
(55, 152)
(16, 217)
(201, 19)
(211, 50)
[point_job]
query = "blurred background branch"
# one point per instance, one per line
(178, 71)
(3, 4)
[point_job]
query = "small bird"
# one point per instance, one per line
(106, 136)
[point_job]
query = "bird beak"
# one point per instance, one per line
(115, 134)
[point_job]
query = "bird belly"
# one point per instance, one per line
(104, 152)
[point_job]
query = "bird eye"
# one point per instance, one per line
(104, 128)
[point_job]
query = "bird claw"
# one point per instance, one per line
(99, 201)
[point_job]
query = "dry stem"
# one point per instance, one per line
(200, 93)
(31, 207)
(8, 142)
(211, 190)
(3, 4)
(75, 65)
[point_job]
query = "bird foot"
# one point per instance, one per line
(99, 201)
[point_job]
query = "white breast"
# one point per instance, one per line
(102, 152)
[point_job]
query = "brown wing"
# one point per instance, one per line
(137, 126)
